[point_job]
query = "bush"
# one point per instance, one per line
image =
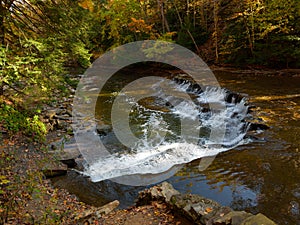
(15, 121)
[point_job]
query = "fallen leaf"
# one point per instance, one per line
(208, 210)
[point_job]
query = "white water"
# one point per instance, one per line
(161, 144)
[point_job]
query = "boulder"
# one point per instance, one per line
(54, 169)
(96, 213)
(67, 153)
(258, 219)
(103, 129)
(163, 192)
(231, 217)
(50, 114)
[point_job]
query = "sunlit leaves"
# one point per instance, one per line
(87, 4)
(3, 180)
(259, 33)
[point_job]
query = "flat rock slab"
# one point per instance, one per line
(54, 169)
(96, 213)
(258, 219)
(65, 150)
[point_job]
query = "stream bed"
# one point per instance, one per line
(255, 176)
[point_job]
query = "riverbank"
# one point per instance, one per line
(27, 197)
(256, 70)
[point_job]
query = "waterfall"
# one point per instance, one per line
(158, 122)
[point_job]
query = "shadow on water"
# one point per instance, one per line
(262, 176)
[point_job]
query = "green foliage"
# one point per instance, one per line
(15, 121)
(43, 40)
(262, 32)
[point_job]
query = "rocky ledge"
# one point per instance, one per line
(197, 209)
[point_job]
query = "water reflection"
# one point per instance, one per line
(263, 176)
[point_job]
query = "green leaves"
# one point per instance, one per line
(262, 32)
(15, 121)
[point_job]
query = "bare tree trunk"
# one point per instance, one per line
(2, 27)
(216, 20)
(194, 14)
(187, 8)
(193, 39)
(179, 17)
(165, 24)
(2, 36)
(202, 15)
(249, 30)
(188, 31)
(248, 35)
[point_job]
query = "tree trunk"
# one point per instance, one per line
(216, 20)
(165, 24)
(2, 37)
(2, 28)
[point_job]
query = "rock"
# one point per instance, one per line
(96, 213)
(69, 151)
(54, 169)
(163, 192)
(296, 192)
(258, 126)
(61, 124)
(294, 208)
(231, 217)
(107, 208)
(50, 114)
(258, 219)
(197, 209)
(71, 163)
(66, 153)
(167, 191)
(103, 129)
(69, 112)
(211, 217)
(62, 117)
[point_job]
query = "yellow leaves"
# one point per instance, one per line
(87, 4)
(4, 180)
(139, 25)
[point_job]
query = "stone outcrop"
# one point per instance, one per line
(199, 210)
(90, 215)
(54, 169)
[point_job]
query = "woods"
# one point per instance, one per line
(43, 40)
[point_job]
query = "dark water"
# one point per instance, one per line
(262, 176)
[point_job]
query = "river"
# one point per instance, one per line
(260, 176)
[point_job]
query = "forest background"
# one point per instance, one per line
(42, 42)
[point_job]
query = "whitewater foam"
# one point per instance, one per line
(161, 145)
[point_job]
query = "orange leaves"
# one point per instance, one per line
(208, 210)
(87, 4)
(139, 25)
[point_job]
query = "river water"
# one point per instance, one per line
(258, 176)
